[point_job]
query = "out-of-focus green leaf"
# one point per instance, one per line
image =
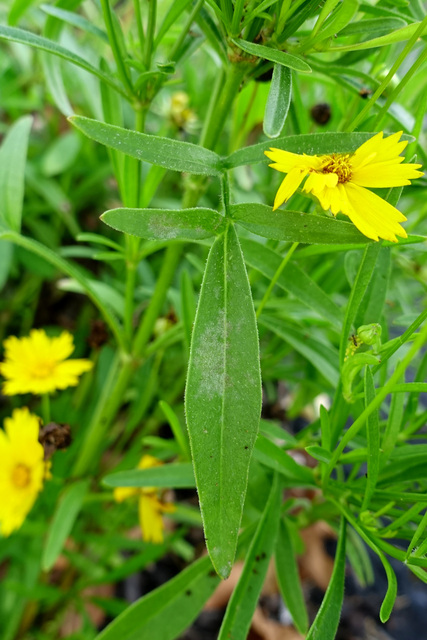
(175, 475)
(66, 513)
(274, 55)
(13, 157)
(373, 437)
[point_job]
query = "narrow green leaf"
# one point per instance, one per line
(163, 152)
(245, 596)
(165, 612)
(337, 21)
(278, 101)
(390, 596)
(177, 430)
(66, 513)
(372, 26)
(176, 9)
(295, 226)
(274, 55)
(326, 622)
(319, 453)
(278, 459)
(223, 396)
(13, 157)
(293, 279)
(166, 224)
(26, 37)
(373, 438)
(324, 358)
(74, 19)
(371, 306)
(175, 475)
(288, 578)
(394, 424)
(188, 305)
(391, 38)
(310, 143)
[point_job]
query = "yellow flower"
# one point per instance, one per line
(339, 182)
(150, 505)
(37, 364)
(22, 468)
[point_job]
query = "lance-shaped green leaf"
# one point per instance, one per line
(295, 226)
(165, 612)
(163, 152)
(65, 515)
(166, 224)
(373, 437)
(13, 156)
(274, 55)
(223, 396)
(167, 476)
(39, 42)
(245, 596)
(278, 101)
(310, 143)
(326, 622)
(405, 33)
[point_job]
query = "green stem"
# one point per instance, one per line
(402, 84)
(237, 17)
(45, 402)
(170, 263)
(148, 45)
(138, 18)
(178, 43)
(411, 42)
(121, 68)
(275, 278)
(108, 404)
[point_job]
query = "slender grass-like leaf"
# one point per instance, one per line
(13, 157)
(175, 475)
(39, 42)
(326, 622)
(245, 596)
(163, 152)
(166, 224)
(274, 55)
(405, 33)
(288, 578)
(278, 459)
(66, 513)
(165, 612)
(223, 396)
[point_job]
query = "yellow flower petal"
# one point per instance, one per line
(150, 519)
(288, 187)
(386, 175)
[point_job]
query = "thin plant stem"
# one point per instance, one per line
(186, 28)
(45, 407)
(402, 84)
(151, 26)
(275, 278)
(411, 42)
(121, 68)
(138, 18)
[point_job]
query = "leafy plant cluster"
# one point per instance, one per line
(154, 117)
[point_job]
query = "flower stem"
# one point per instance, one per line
(275, 278)
(45, 407)
(121, 68)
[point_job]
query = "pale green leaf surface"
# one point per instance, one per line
(278, 101)
(274, 55)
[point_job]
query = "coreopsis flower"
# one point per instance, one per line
(150, 505)
(341, 182)
(38, 364)
(22, 468)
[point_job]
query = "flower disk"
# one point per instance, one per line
(38, 364)
(341, 182)
(22, 468)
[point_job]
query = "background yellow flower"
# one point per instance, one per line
(22, 468)
(339, 182)
(150, 505)
(38, 364)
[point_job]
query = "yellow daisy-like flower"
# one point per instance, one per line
(341, 182)
(150, 505)
(38, 364)
(22, 468)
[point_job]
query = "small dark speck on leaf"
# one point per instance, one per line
(188, 592)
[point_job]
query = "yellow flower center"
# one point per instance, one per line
(21, 476)
(338, 164)
(43, 369)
